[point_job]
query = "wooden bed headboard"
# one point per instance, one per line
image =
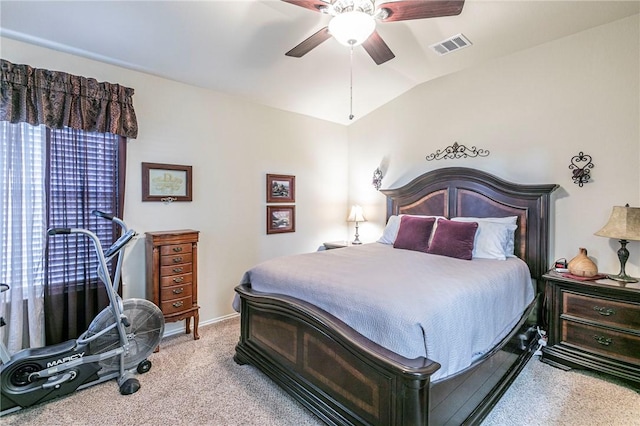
(460, 191)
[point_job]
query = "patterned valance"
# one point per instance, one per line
(57, 99)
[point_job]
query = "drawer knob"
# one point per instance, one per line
(177, 259)
(178, 279)
(178, 304)
(177, 249)
(178, 270)
(604, 341)
(607, 312)
(178, 290)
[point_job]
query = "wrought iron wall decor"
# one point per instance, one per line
(377, 179)
(456, 151)
(581, 175)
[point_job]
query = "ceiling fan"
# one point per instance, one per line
(354, 21)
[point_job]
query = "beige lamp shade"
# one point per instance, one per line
(356, 214)
(624, 224)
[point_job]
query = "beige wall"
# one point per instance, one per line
(231, 145)
(533, 111)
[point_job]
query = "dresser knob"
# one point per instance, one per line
(177, 259)
(178, 280)
(177, 270)
(604, 341)
(178, 290)
(178, 304)
(177, 249)
(604, 311)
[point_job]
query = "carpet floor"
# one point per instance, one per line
(196, 382)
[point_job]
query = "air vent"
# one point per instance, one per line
(451, 44)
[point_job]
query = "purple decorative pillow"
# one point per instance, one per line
(414, 233)
(454, 239)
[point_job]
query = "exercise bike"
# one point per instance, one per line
(116, 344)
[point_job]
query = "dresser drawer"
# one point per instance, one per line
(613, 344)
(182, 268)
(603, 311)
(172, 249)
(173, 280)
(176, 305)
(175, 259)
(176, 292)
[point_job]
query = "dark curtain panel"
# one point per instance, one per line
(57, 100)
(85, 172)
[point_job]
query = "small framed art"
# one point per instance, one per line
(281, 189)
(281, 219)
(166, 182)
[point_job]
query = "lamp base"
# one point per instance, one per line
(623, 278)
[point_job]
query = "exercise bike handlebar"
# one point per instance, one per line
(56, 231)
(103, 215)
(112, 218)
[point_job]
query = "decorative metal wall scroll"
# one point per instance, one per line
(377, 178)
(581, 175)
(456, 151)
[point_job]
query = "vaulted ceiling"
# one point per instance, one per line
(237, 46)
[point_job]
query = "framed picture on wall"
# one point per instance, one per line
(281, 219)
(166, 182)
(281, 188)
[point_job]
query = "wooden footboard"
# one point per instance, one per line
(346, 379)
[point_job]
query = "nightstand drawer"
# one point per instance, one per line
(176, 259)
(176, 280)
(613, 344)
(183, 268)
(176, 292)
(603, 311)
(175, 249)
(177, 305)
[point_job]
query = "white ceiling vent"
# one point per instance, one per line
(451, 44)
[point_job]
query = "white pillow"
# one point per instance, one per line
(393, 225)
(494, 237)
(391, 230)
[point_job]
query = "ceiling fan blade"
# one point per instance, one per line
(316, 5)
(405, 10)
(378, 49)
(314, 41)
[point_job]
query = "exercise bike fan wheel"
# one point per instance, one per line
(144, 332)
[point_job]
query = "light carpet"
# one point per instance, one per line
(196, 382)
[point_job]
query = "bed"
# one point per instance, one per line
(346, 378)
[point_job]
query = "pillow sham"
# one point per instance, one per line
(454, 239)
(414, 233)
(390, 231)
(492, 233)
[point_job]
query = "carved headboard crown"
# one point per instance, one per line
(460, 191)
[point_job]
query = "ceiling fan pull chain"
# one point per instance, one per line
(351, 84)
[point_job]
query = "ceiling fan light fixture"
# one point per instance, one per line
(352, 28)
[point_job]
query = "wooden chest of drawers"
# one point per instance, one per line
(172, 278)
(593, 325)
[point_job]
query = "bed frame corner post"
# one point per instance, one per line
(414, 403)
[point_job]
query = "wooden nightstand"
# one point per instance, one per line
(172, 275)
(593, 325)
(336, 244)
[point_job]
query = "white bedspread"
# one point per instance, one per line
(415, 304)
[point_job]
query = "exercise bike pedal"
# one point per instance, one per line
(56, 381)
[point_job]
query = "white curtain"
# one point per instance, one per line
(22, 233)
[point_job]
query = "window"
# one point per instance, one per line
(56, 178)
(82, 176)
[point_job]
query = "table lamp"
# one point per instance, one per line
(624, 225)
(356, 216)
